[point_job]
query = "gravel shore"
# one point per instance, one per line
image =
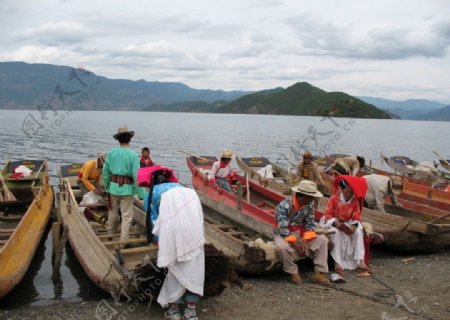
(402, 287)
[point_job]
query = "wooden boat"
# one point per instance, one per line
(408, 167)
(408, 231)
(110, 268)
(22, 221)
(234, 221)
(404, 230)
(278, 179)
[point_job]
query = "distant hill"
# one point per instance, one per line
(188, 106)
(407, 109)
(303, 99)
(25, 86)
(442, 114)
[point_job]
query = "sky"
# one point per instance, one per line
(392, 49)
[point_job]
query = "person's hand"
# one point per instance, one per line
(300, 246)
(346, 229)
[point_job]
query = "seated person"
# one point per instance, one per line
(307, 169)
(343, 215)
(222, 172)
(294, 217)
(146, 160)
(89, 177)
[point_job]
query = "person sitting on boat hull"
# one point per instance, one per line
(343, 215)
(379, 187)
(221, 171)
(295, 216)
(89, 177)
(307, 169)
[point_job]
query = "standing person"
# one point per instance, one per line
(349, 165)
(222, 172)
(120, 179)
(89, 177)
(379, 187)
(294, 217)
(180, 232)
(146, 160)
(343, 215)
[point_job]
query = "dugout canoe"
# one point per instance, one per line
(234, 221)
(22, 221)
(108, 266)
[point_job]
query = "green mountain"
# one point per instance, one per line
(27, 86)
(188, 106)
(303, 99)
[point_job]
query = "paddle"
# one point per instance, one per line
(195, 156)
(9, 196)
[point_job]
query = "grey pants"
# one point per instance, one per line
(318, 247)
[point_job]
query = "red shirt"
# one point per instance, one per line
(343, 211)
(146, 162)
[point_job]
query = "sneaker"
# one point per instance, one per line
(172, 314)
(185, 317)
(320, 278)
(296, 278)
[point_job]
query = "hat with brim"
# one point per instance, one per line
(227, 153)
(396, 184)
(308, 188)
(123, 131)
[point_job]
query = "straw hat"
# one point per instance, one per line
(396, 184)
(227, 153)
(308, 188)
(122, 131)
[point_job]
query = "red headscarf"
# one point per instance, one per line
(357, 184)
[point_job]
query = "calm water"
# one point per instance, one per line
(80, 135)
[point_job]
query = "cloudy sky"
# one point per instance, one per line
(391, 49)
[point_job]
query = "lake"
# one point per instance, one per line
(77, 136)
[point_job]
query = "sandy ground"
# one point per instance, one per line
(400, 288)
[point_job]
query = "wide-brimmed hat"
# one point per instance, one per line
(307, 154)
(122, 131)
(397, 184)
(308, 188)
(227, 153)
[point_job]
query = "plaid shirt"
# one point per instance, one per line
(286, 217)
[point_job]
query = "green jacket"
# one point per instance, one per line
(125, 162)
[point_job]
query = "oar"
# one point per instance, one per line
(195, 156)
(445, 161)
(9, 196)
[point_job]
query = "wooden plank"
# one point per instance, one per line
(142, 249)
(115, 235)
(129, 241)
(235, 233)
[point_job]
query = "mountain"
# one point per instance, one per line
(407, 109)
(188, 106)
(442, 114)
(303, 99)
(26, 86)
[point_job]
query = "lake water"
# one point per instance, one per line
(78, 136)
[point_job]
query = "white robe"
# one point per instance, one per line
(181, 238)
(348, 251)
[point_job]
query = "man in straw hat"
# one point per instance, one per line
(89, 177)
(120, 179)
(379, 187)
(221, 171)
(295, 218)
